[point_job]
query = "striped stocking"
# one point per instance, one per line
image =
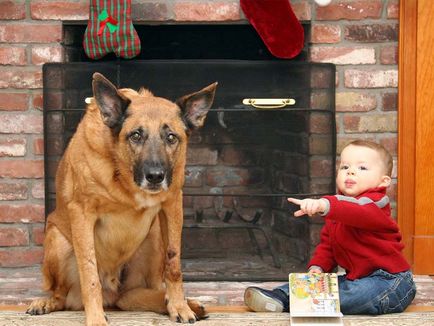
(110, 29)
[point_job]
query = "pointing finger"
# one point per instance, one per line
(294, 201)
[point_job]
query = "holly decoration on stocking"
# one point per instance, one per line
(110, 29)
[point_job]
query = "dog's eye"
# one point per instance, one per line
(136, 137)
(171, 138)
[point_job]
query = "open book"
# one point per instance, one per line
(314, 299)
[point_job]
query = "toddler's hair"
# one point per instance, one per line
(384, 153)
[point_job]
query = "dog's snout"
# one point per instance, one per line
(155, 175)
(152, 176)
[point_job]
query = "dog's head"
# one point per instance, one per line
(150, 133)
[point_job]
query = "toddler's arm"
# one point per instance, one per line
(309, 206)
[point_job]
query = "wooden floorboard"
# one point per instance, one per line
(12, 315)
(224, 301)
(122, 318)
(222, 309)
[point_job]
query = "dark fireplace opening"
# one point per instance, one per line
(241, 166)
(183, 42)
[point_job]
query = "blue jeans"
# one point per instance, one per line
(376, 294)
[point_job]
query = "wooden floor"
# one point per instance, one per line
(224, 301)
(122, 318)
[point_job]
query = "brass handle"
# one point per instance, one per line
(268, 103)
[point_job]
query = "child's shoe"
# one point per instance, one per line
(261, 300)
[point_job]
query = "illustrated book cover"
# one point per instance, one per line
(314, 299)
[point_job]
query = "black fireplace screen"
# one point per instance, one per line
(242, 165)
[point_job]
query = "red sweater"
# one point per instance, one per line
(360, 236)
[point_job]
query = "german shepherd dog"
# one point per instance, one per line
(114, 238)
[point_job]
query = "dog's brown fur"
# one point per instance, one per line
(114, 239)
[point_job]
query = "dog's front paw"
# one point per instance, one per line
(40, 307)
(96, 321)
(180, 312)
(198, 308)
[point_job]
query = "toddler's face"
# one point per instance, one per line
(360, 169)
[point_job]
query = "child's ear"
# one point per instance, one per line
(385, 181)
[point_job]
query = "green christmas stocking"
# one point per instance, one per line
(110, 29)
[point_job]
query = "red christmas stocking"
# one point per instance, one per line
(110, 29)
(276, 24)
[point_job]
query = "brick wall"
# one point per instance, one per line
(359, 36)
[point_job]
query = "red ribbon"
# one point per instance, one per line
(104, 22)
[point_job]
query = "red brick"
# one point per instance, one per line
(30, 33)
(20, 78)
(325, 34)
(12, 9)
(230, 155)
(320, 167)
(56, 123)
(201, 156)
(187, 201)
(371, 79)
(12, 236)
(319, 145)
(13, 191)
(342, 55)
(351, 123)
(378, 123)
(149, 12)
(370, 33)
(352, 101)
(319, 100)
(321, 78)
(206, 11)
(43, 54)
(38, 234)
(391, 144)
(14, 101)
(389, 55)
(38, 146)
(302, 10)
(55, 146)
(21, 123)
(390, 101)
(59, 10)
(21, 257)
(201, 202)
(38, 190)
(319, 124)
(12, 147)
(393, 10)
(350, 10)
(221, 176)
(14, 56)
(38, 101)
(22, 169)
(29, 213)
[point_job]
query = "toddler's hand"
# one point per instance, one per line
(315, 271)
(309, 206)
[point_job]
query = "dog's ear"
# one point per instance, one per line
(195, 106)
(111, 103)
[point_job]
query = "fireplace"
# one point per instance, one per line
(270, 135)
